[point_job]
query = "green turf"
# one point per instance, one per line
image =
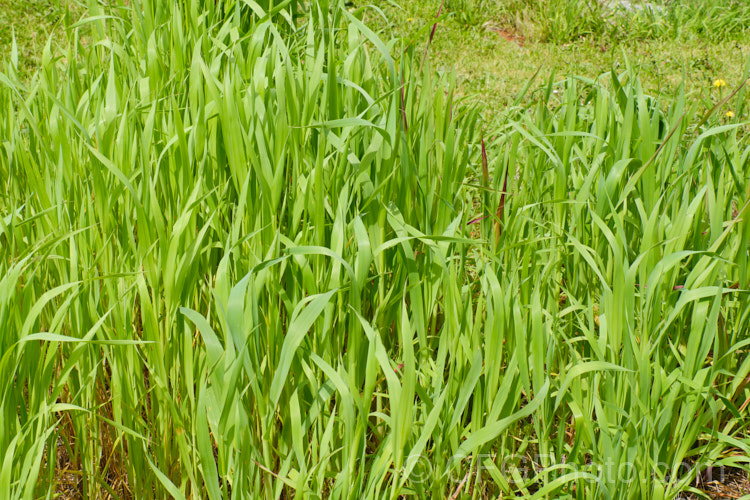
(494, 54)
(32, 22)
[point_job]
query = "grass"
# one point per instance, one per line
(494, 53)
(248, 255)
(32, 22)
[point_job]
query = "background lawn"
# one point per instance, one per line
(495, 47)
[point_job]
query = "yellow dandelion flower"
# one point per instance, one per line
(729, 114)
(408, 20)
(718, 83)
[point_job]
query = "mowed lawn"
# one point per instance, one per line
(460, 249)
(495, 47)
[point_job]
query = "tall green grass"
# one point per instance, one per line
(629, 223)
(251, 255)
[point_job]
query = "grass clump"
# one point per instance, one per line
(248, 254)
